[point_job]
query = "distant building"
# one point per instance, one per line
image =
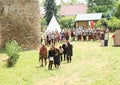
(83, 20)
(42, 11)
(72, 10)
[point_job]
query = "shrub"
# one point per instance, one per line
(12, 50)
(67, 22)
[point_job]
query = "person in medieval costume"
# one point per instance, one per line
(51, 54)
(43, 55)
(61, 52)
(106, 37)
(69, 52)
(64, 50)
(67, 34)
(102, 35)
(57, 58)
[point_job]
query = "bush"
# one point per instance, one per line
(113, 23)
(12, 50)
(67, 22)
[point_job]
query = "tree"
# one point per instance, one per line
(67, 22)
(50, 8)
(117, 13)
(73, 1)
(100, 5)
(113, 23)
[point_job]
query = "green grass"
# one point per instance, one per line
(91, 65)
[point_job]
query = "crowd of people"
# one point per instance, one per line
(55, 55)
(65, 51)
(78, 34)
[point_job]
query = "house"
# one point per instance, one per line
(85, 20)
(73, 10)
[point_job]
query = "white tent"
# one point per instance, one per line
(53, 25)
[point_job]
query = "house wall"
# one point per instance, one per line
(82, 23)
(20, 20)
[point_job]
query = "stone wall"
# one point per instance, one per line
(117, 38)
(20, 20)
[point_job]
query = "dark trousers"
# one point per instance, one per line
(50, 65)
(64, 56)
(61, 57)
(69, 59)
(79, 37)
(67, 38)
(105, 42)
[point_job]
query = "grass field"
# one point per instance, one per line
(91, 65)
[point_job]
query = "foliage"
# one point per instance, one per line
(50, 8)
(107, 7)
(73, 1)
(12, 50)
(101, 24)
(117, 13)
(67, 22)
(113, 23)
(43, 24)
(98, 9)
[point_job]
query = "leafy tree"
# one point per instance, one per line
(68, 2)
(101, 24)
(100, 5)
(113, 23)
(50, 8)
(67, 22)
(73, 1)
(117, 13)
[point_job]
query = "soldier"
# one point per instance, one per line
(61, 52)
(51, 54)
(57, 58)
(69, 52)
(43, 55)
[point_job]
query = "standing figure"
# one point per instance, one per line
(67, 35)
(61, 52)
(51, 54)
(69, 52)
(102, 35)
(64, 51)
(57, 58)
(43, 55)
(106, 37)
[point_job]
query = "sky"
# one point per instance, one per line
(82, 1)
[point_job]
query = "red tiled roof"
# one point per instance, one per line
(70, 10)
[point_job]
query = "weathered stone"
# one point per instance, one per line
(20, 20)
